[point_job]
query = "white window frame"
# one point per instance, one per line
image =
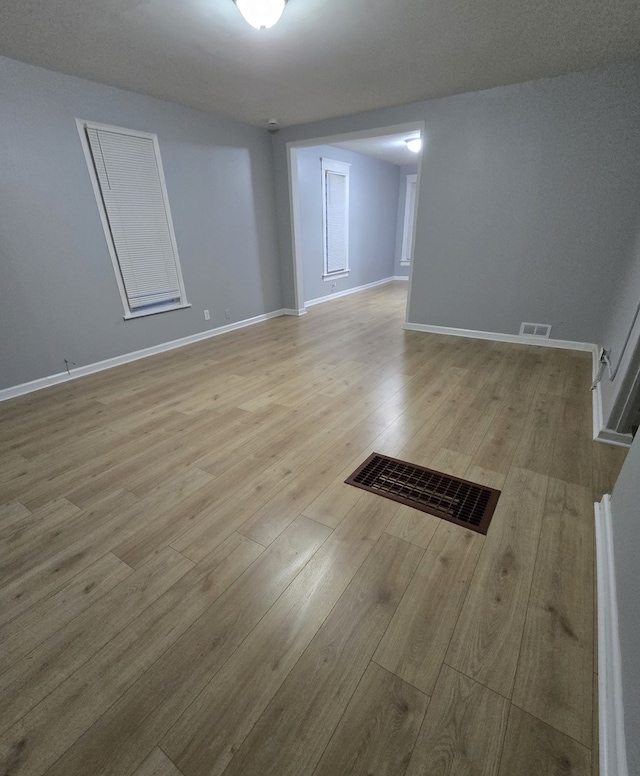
(409, 219)
(130, 312)
(337, 168)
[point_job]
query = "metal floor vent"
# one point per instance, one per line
(459, 501)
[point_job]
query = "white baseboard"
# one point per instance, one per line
(348, 291)
(401, 277)
(500, 337)
(613, 753)
(600, 432)
(289, 311)
(99, 366)
(613, 438)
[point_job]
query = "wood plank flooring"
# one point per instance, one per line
(188, 587)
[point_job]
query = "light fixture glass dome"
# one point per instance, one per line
(414, 144)
(261, 14)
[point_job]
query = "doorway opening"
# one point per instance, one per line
(354, 211)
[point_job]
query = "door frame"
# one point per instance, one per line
(294, 203)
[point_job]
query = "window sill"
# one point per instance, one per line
(405, 263)
(144, 313)
(336, 275)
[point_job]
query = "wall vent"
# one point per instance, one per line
(535, 330)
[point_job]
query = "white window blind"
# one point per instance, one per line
(409, 218)
(335, 189)
(128, 172)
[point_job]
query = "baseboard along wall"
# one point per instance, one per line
(600, 432)
(495, 336)
(336, 294)
(125, 358)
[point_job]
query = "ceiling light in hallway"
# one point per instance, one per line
(261, 14)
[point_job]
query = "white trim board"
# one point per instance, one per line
(288, 311)
(125, 358)
(495, 336)
(348, 291)
(600, 432)
(613, 753)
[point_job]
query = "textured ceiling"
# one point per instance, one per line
(324, 58)
(387, 148)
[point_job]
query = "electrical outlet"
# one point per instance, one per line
(227, 314)
(206, 315)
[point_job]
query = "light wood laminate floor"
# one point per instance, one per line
(189, 588)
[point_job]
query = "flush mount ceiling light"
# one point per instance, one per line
(414, 144)
(261, 14)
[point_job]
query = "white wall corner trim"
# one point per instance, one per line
(348, 291)
(288, 311)
(125, 358)
(500, 337)
(600, 432)
(613, 753)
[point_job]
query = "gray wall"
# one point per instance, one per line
(59, 294)
(527, 211)
(407, 169)
(626, 542)
(528, 201)
(373, 209)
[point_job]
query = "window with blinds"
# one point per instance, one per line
(128, 180)
(335, 217)
(409, 218)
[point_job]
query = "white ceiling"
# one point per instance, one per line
(324, 58)
(388, 148)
